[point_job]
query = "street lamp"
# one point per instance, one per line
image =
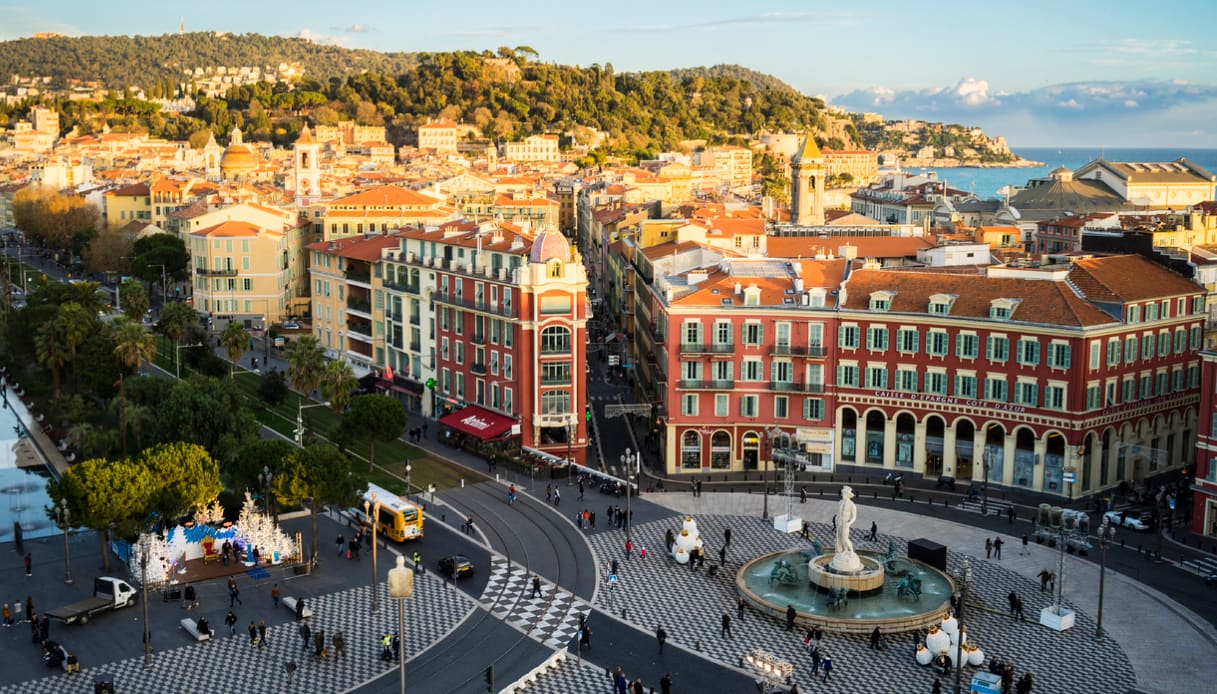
(770, 434)
(628, 460)
(408, 468)
(570, 435)
(371, 511)
(145, 546)
(177, 357)
(64, 515)
(965, 577)
(1107, 533)
(164, 285)
(401, 587)
(300, 408)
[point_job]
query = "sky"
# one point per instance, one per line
(1040, 72)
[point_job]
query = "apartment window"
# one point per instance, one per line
(995, 390)
(813, 408)
(998, 348)
(1029, 352)
(722, 371)
(1094, 396)
(936, 382)
(1130, 349)
(782, 371)
(1095, 349)
(782, 334)
(722, 405)
(443, 348)
(1197, 337)
(692, 333)
(1128, 390)
(908, 340)
(781, 407)
(967, 346)
(1197, 304)
(999, 312)
(460, 385)
(906, 380)
(1054, 397)
(1164, 383)
(460, 352)
(690, 370)
(815, 374)
(747, 405)
(936, 343)
(1113, 351)
(1027, 393)
(880, 304)
(1111, 392)
(507, 400)
(1164, 343)
(1147, 386)
(555, 373)
(1061, 354)
(1151, 312)
(876, 377)
(1193, 376)
(507, 366)
(847, 375)
(1147, 346)
(753, 333)
(1180, 340)
(1132, 314)
(1177, 380)
(752, 370)
(555, 402)
(848, 337)
(555, 340)
(965, 385)
(688, 405)
(722, 333)
(876, 339)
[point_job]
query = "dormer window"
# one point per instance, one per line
(1002, 309)
(881, 302)
(940, 304)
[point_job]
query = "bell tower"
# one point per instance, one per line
(306, 168)
(807, 189)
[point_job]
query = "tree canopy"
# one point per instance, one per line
(375, 417)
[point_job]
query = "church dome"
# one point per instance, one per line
(237, 160)
(550, 245)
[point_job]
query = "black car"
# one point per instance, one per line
(455, 566)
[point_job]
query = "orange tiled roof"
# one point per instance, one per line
(867, 246)
(1125, 278)
(384, 196)
(229, 228)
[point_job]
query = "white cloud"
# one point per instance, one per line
(1130, 103)
(972, 92)
(322, 39)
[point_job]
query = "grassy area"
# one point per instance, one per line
(322, 422)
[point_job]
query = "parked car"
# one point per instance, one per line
(455, 566)
(291, 325)
(1134, 520)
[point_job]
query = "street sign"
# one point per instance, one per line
(613, 360)
(1070, 477)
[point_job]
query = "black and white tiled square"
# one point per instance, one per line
(552, 617)
(692, 604)
(230, 661)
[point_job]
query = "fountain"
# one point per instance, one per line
(847, 590)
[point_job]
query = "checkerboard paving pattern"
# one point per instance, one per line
(691, 605)
(552, 618)
(572, 677)
(229, 663)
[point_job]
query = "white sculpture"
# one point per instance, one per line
(845, 560)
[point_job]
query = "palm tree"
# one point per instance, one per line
(50, 351)
(137, 417)
(75, 324)
(89, 297)
(133, 346)
(234, 339)
(175, 318)
(338, 383)
(305, 364)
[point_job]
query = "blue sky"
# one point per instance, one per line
(1041, 72)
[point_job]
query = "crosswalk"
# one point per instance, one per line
(995, 507)
(1203, 566)
(551, 617)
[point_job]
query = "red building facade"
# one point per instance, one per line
(1204, 490)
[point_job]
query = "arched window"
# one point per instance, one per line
(720, 450)
(690, 451)
(555, 340)
(555, 269)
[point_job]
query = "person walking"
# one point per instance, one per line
(997, 543)
(17, 616)
(665, 684)
(726, 630)
(727, 537)
(790, 616)
(661, 636)
(261, 633)
(827, 665)
(234, 593)
(620, 684)
(536, 586)
(306, 635)
(1024, 684)
(1043, 579)
(937, 688)
(418, 560)
(803, 495)
(1026, 548)
(739, 608)
(299, 609)
(722, 555)
(876, 640)
(1018, 608)
(1011, 600)
(230, 621)
(469, 525)
(988, 548)
(816, 659)
(874, 531)
(585, 635)
(7, 612)
(29, 564)
(340, 644)
(189, 598)
(276, 594)
(1010, 515)
(253, 633)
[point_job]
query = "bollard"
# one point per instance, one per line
(625, 613)
(443, 517)
(462, 483)
(912, 499)
(821, 491)
(876, 495)
(697, 645)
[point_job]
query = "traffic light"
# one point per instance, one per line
(490, 679)
(587, 413)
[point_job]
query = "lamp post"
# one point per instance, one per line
(408, 469)
(570, 435)
(371, 511)
(401, 587)
(770, 435)
(64, 515)
(628, 460)
(965, 577)
(164, 285)
(300, 408)
(177, 357)
(1107, 533)
(145, 546)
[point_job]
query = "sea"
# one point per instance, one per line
(988, 183)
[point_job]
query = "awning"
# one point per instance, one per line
(479, 422)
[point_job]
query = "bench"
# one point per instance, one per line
(192, 628)
(290, 603)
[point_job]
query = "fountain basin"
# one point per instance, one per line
(865, 581)
(867, 607)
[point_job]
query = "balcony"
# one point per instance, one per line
(354, 275)
(477, 339)
(786, 350)
(555, 380)
(684, 384)
(409, 288)
(793, 387)
(217, 272)
(478, 369)
(472, 304)
(360, 306)
(548, 350)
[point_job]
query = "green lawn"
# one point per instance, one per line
(322, 422)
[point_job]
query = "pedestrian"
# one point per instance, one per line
(834, 522)
(876, 640)
(234, 593)
(253, 633)
(7, 613)
(1018, 608)
(17, 615)
(189, 598)
(1026, 549)
(739, 608)
(418, 560)
(803, 495)
(665, 684)
(341, 543)
(580, 489)
(591, 518)
(261, 633)
(629, 548)
(937, 689)
(29, 564)
(1024, 684)
(557, 502)
(1043, 574)
(1052, 580)
(276, 594)
(613, 567)
(722, 555)
(790, 616)
(306, 634)
(827, 665)
(230, 621)
(726, 630)
(816, 659)
(44, 627)
(225, 549)
(818, 634)
(549, 493)
(536, 586)
(988, 548)
(340, 645)
(1010, 515)
(1011, 600)
(619, 682)
(661, 636)
(727, 537)
(585, 635)
(874, 531)
(997, 543)
(637, 687)
(469, 524)
(34, 630)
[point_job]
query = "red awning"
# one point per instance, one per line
(479, 422)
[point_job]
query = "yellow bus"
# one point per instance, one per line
(399, 519)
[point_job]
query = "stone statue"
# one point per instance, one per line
(401, 580)
(846, 560)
